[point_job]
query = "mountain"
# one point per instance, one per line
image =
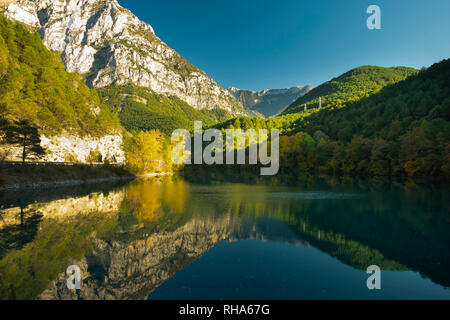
(404, 129)
(140, 109)
(351, 86)
(401, 129)
(109, 46)
(34, 86)
(269, 102)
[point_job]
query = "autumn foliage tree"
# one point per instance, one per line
(145, 155)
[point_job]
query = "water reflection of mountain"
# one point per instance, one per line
(128, 241)
(403, 221)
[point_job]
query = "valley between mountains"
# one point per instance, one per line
(99, 86)
(91, 192)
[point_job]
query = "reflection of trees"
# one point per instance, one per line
(150, 206)
(27, 271)
(28, 197)
(146, 199)
(254, 203)
(16, 236)
(393, 224)
(175, 194)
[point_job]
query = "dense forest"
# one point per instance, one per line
(34, 86)
(140, 109)
(336, 93)
(402, 129)
(374, 120)
(351, 86)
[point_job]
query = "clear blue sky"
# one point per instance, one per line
(260, 44)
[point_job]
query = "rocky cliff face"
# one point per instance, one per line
(84, 149)
(110, 46)
(271, 101)
(72, 148)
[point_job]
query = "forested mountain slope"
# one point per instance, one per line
(140, 109)
(402, 130)
(34, 86)
(336, 93)
(109, 46)
(351, 86)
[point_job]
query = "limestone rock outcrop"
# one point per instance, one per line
(110, 46)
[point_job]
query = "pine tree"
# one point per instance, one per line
(21, 133)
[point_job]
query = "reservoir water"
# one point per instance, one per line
(214, 236)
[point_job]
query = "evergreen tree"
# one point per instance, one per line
(22, 134)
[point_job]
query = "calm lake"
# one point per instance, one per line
(213, 236)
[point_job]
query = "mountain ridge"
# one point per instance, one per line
(108, 45)
(401, 130)
(269, 102)
(34, 86)
(352, 85)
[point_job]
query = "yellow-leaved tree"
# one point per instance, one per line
(146, 154)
